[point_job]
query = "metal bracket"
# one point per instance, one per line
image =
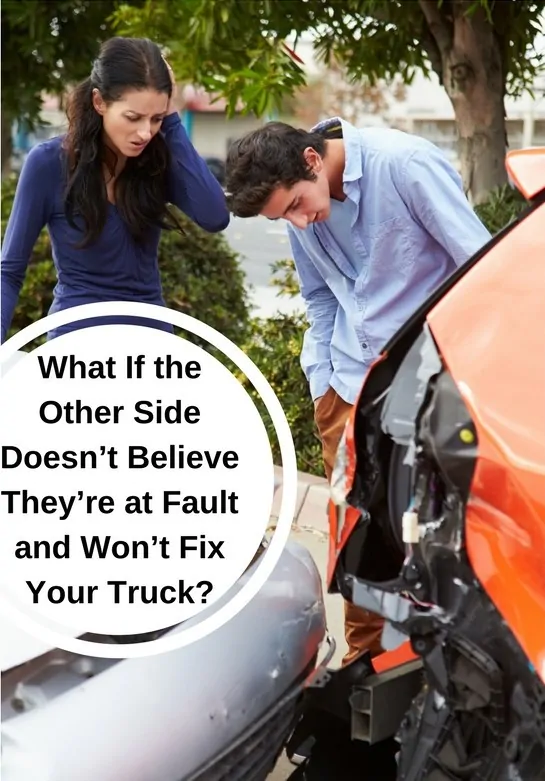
(320, 676)
(378, 707)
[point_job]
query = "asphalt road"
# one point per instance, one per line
(261, 243)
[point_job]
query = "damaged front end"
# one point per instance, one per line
(479, 713)
(437, 524)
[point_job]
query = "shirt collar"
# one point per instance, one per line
(352, 145)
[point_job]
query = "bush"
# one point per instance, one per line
(501, 208)
(201, 277)
(275, 344)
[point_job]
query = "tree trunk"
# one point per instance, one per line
(6, 148)
(472, 74)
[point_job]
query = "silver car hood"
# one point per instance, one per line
(17, 646)
(162, 718)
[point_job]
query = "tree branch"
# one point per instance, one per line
(381, 13)
(429, 44)
(502, 15)
(438, 25)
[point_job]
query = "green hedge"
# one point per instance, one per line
(275, 346)
(501, 208)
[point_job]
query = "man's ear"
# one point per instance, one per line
(313, 159)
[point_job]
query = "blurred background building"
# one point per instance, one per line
(422, 108)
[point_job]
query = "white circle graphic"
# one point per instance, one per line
(136, 483)
(258, 495)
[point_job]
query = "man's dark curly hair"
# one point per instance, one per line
(265, 159)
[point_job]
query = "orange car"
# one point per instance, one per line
(437, 523)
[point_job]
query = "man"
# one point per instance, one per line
(377, 220)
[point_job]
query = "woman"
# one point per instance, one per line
(103, 189)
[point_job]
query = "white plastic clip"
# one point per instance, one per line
(411, 532)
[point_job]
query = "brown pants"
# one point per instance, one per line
(362, 629)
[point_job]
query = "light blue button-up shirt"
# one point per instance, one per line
(404, 227)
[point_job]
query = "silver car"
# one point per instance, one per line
(219, 708)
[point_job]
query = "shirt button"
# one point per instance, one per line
(364, 345)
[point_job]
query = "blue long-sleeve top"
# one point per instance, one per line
(115, 267)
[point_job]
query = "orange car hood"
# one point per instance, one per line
(490, 330)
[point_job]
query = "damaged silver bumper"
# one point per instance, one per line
(223, 705)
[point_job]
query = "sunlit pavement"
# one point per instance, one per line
(260, 243)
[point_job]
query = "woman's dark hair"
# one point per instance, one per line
(141, 187)
(263, 160)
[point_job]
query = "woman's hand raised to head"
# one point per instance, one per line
(176, 103)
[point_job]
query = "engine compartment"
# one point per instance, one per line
(480, 714)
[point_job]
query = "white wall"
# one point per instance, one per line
(211, 133)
